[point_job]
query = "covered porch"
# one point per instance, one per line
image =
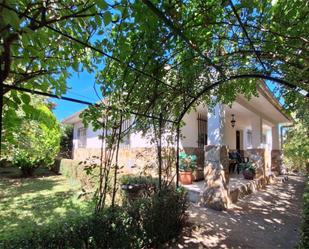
(249, 128)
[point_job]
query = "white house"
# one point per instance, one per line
(255, 131)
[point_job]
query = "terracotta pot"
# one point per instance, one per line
(185, 177)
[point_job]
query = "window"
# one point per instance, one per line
(249, 138)
(264, 140)
(126, 139)
(82, 137)
(202, 130)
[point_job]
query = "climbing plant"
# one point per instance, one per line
(156, 58)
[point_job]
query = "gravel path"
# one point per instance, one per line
(267, 219)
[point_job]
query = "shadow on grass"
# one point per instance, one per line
(28, 202)
(15, 173)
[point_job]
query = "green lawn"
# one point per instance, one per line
(44, 199)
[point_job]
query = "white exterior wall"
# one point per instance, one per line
(139, 141)
(190, 130)
(230, 135)
(93, 141)
(220, 131)
(275, 137)
(75, 128)
(257, 131)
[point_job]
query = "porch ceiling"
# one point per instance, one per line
(242, 115)
(262, 107)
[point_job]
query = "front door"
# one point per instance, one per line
(238, 141)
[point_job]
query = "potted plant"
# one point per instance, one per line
(135, 187)
(248, 170)
(187, 163)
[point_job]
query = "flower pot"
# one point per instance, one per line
(185, 177)
(248, 174)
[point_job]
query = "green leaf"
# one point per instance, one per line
(102, 4)
(25, 98)
(11, 18)
(107, 18)
(75, 66)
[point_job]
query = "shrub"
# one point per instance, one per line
(133, 179)
(160, 217)
(108, 229)
(304, 242)
(66, 141)
(75, 172)
(70, 234)
(34, 140)
(112, 229)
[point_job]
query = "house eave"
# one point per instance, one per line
(72, 119)
(265, 91)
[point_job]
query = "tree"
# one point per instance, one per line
(41, 40)
(66, 144)
(33, 139)
(36, 48)
(296, 142)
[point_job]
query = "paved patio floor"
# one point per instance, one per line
(266, 219)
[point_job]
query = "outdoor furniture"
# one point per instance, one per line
(236, 160)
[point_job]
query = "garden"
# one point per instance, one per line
(152, 61)
(27, 203)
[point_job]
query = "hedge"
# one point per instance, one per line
(304, 241)
(75, 171)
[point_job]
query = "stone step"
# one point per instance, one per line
(195, 191)
(194, 196)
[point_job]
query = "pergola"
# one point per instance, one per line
(217, 73)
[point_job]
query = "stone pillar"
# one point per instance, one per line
(216, 123)
(276, 161)
(257, 131)
(276, 152)
(216, 173)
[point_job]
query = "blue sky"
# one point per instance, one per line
(80, 87)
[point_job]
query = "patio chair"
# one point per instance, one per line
(237, 161)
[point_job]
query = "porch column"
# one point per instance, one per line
(216, 123)
(275, 138)
(257, 153)
(257, 132)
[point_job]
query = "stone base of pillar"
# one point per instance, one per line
(216, 174)
(276, 161)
